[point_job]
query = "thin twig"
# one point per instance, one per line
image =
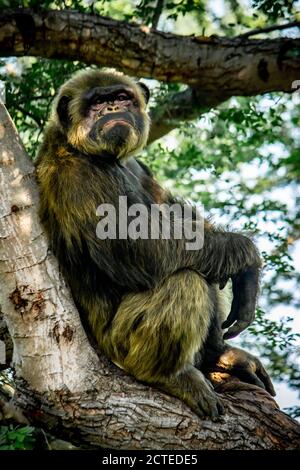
(268, 29)
(46, 439)
(29, 114)
(157, 13)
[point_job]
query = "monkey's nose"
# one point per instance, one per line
(112, 108)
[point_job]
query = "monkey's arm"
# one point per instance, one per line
(245, 283)
(140, 264)
(245, 288)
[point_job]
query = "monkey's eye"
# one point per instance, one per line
(122, 97)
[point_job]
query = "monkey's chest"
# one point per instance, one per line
(139, 188)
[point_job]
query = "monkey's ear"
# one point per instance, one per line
(145, 91)
(63, 111)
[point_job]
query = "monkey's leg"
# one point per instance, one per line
(155, 335)
(215, 344)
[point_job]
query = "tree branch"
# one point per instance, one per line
(210, 64)
(269, 29)
(179, 107)
(215, 68)
(62, 385)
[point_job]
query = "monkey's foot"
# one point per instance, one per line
(192, 388)
(246, 367)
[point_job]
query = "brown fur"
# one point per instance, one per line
(153, 307)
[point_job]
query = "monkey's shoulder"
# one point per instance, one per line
(147, 181)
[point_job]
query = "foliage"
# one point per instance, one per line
(29, 95)
(242, 161)
(275, 8)
(17, 437)
(293, 411)
(147, 10)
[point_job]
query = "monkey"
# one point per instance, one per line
(154, 308)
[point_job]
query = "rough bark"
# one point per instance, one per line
(63, 385)
(237, 66)
(216, 68)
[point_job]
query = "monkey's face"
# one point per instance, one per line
(114, 119)
(106, 117)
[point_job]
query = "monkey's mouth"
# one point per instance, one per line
(115, 122)
(114, 131)
(114, 119)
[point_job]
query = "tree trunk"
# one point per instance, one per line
(63, 385)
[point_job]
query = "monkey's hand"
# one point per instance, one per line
(242, 313)
(236, 257)
(246, 367)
